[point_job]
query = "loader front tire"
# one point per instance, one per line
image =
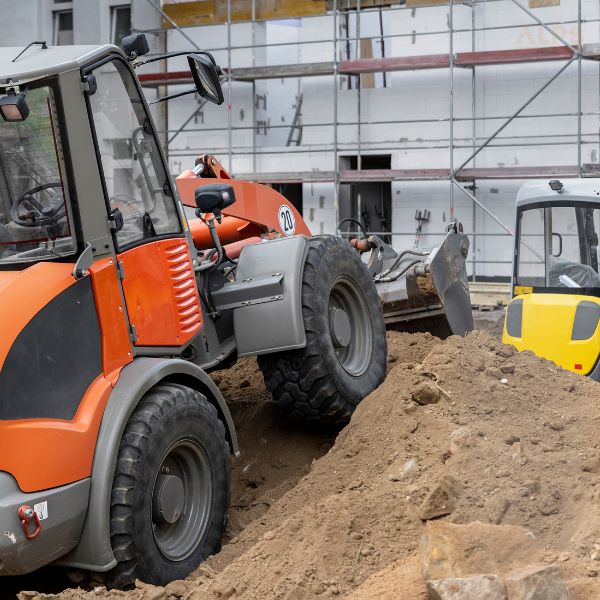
(171, 488)
(345, 357)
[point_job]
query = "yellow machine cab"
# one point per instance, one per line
(555, 308)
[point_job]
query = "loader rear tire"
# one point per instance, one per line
(345, 357)
(171, 488)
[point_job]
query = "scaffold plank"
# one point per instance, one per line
(507, 57)
(386, 64)
(517, 172)
(351, 176)
(433, 174)
(394, 63)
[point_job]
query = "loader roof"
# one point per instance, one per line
(37, 62)
(581, 190)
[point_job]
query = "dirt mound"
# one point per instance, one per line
(464, 429)
(275, 455)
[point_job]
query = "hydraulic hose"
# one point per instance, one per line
(399, 258)
(399, 274)
(356, 222)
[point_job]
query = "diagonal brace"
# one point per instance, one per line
(513, 116)
(546, 27)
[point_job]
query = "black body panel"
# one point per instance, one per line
(54, 359)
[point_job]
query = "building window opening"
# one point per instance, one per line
(63, 28)
(120, 23)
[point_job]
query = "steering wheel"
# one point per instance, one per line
(37, 214)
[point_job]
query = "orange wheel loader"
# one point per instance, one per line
(115, 443)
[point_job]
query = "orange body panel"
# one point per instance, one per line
(230, 230)
(254, 202)
(235, 249)
(45, 453)
(116, 347)
(160, 292)
(25, 293)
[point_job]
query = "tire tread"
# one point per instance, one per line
(148, 414)
(300, 381)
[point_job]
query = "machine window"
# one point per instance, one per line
(531, 263)
(573, 259)
(135, 178)
(34, 215)
(566, 253)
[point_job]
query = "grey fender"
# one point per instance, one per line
(273, 323)
(94, 551)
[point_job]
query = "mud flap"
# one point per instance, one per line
(272, 323)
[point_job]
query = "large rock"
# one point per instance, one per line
(427, 393)
(441, 500)
(461, 438)
(538, 582)
(454, 551)
(477, 587)
(179, 588)
(400, 580)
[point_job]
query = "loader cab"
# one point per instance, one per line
(555, 308)
(36, 212)
(80, 161)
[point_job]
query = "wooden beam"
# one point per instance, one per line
(417, 3)
(209, 12)
(542, 3)
(345, 5)
(367, 80)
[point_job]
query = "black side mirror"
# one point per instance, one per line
(213, 198)
(206, 77)
(135, 45)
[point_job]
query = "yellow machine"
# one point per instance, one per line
(555, 308)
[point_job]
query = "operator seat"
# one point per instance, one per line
(581, 274)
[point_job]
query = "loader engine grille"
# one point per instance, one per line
(189, 314)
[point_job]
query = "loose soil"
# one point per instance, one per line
(318, 517)
(491, 321)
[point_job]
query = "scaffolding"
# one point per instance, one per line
(462, 174)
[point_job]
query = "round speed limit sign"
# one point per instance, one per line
(287, 221)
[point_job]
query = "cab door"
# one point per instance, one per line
(153, 255)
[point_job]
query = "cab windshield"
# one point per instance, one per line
(34, 216)
(558, 246)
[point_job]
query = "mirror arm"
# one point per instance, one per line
(211, 264)
(173, 55)
(171, 96)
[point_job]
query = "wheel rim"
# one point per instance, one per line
(181, 500)
(350, 326)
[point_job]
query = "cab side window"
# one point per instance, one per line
(135, 178)
(531, 268)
